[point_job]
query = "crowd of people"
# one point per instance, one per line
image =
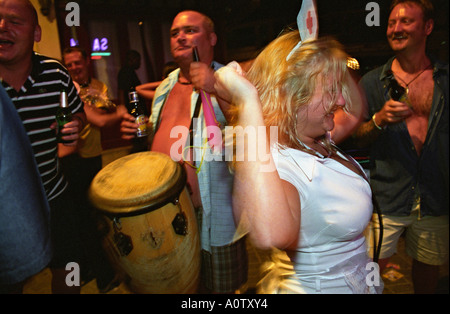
(304, 199)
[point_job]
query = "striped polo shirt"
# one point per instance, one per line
(36, 103)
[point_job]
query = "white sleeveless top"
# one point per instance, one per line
(336, 206)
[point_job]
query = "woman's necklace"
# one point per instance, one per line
(315, 152)
(415, 78)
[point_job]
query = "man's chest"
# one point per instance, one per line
(177, 109)
(421, 97)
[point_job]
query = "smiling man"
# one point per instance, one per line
(82, 166)
(409, 147)
(18, 34)
(77, 62)
(34, 82)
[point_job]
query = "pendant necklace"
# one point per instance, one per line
(416, 77)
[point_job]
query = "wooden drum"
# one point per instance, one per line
(152, 234)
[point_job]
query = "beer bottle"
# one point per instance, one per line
(137, 110)
(398, 92)
(63, 116)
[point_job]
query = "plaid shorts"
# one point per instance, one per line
(225, 269)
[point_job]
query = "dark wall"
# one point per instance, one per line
(244, 27)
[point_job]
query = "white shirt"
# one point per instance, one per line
(336, 206)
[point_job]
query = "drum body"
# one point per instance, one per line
(152, 234)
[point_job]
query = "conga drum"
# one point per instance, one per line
(152, 233)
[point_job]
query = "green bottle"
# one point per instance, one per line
(63, 116)
(398, 92)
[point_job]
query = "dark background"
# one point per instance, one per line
(244, 27)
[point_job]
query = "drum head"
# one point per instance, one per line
(136, 184)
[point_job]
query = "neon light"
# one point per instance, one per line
(101, 54)
(100, 44)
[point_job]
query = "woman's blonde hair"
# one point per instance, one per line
(285, 86)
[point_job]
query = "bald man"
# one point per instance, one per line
(224, 267)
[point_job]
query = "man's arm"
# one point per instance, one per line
(101, 118)
(202, 77)
(392, 112)
(366, 134)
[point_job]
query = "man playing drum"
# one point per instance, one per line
(210, 182)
